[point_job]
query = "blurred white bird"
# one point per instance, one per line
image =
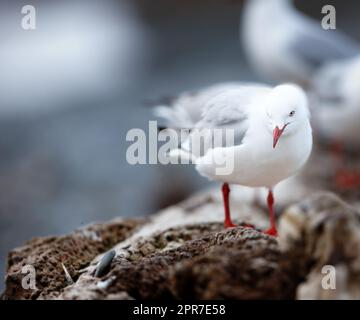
(81, 51)
(336, 93)
(285, 45)
(337, 90)
(273, 136)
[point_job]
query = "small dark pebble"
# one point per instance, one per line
(104, 264)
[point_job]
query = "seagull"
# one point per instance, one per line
(335, 89)
(285, 45)
(272, 135)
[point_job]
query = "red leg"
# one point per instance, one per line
(226, 191)
(270, 201)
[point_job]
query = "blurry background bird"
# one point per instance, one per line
(335, 89)
(337, 111)
(78, 52)
(284, 44)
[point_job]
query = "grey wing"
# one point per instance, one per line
(225, 132)
(227, 112)
(186, 110)
(316, 46)
(222, 107)
(239, 127)
(224, 120)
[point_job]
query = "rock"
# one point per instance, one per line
(244, 264)
(184, 252)
(322, 234)
(48, 254)
(226, 261)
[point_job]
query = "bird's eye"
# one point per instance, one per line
(291, 114)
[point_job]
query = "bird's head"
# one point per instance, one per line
(286, 110)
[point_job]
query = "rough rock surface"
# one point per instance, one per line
(184, 252)
(48, 255)
(326, 231)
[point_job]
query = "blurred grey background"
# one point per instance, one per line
(71, 89)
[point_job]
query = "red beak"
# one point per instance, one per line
(277, 134)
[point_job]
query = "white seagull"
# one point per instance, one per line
(285, 45)
(273, 136)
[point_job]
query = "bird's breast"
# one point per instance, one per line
(266, 166)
